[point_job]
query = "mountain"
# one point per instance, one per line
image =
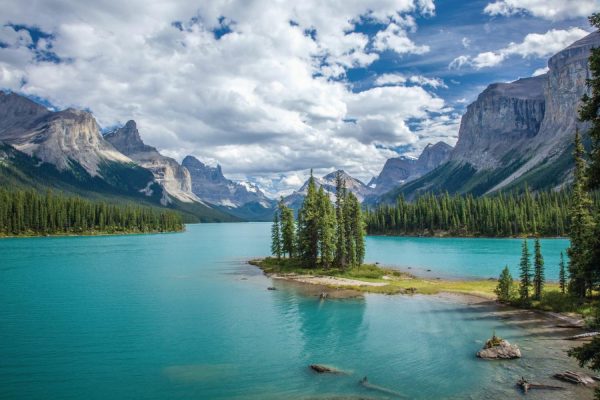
(517, 133)
(399, 170)
(242, 199)
(176, 179)
(360, 190)
(64, 150)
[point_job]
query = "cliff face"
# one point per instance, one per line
(209, 184)
(501, 123)
(173, 177)
(399, 170)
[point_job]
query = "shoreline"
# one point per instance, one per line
(90, 234)
(415, 236)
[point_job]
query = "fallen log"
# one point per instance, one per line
(325, 369)
(365, 383)
(583, 336)
(526, 386)
(577, 378)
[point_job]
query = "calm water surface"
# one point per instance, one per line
(181, 316)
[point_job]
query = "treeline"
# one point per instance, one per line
(502, 215)
(325, 234)
(31, 213)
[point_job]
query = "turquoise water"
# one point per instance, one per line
(461, 257)
(181, 316)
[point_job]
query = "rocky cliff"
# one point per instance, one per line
(175, 178)
(399, 170)
(517, 133)
(209, 184)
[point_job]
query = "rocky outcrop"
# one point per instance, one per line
(499, 349)
(63, 138)
(501, 123)
(210, 185)
(175, 179)
(399, 170)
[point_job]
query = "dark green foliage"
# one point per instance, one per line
(30, 213)
(582, 228)
(525, 275)
(538, 271)
(504, 290)
(276, 248)
(562, 276)
(288, 230)
(327, 236)
(502, 215)
(588, 355)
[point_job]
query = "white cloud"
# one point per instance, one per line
(540, 45)
(259, 100)
(547, 9)
(399, 79)
(540, 71)
(395, 38)
(466, 42)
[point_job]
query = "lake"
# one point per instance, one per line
(182, 316)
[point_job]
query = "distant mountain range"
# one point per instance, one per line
(514, 134)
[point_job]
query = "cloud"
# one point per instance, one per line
(399, 79)
(466, 42)
(539, 45)
(540, 71)
(547, 9)
(395, 38)
(257, 86)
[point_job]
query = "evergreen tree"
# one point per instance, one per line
(276, 236)
(340, 200)
(525, 275)
(288, 230)
(562, 279)
(582, 226)
(326, 228)
(538, 271)
(504, 290)
(308, 226)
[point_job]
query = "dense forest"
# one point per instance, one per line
(31, 213)
(502, 215)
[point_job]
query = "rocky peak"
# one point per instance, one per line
(200, 170)
(433, 156)
(128, 140)
(17, 114)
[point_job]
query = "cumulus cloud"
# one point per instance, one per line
(540, 71)
(399, 79)
(547, 9)
(257, 86)
(539, 45)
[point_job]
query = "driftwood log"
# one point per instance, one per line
(583, 336)
(324, 369)
(365, 383)
(526, 386)
(577, 378)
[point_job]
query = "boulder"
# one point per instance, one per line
(499, 349)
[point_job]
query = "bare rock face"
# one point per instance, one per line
(501, 122)
(59, 138)
(499, 349)
(399, 170)
(210, 185)
(174, 178)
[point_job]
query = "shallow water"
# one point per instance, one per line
(182, 316)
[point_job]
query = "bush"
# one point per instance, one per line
(558, 302)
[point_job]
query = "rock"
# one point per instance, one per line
(499, 349)
(271, 288)
(323, 295)
(324, 369)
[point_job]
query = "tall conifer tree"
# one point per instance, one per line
(525, 275)
(538, 271)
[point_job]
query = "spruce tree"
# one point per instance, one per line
(276, 236)
(340, 200)
(308, 226)
(581, 233)
(504, 290)
(538, 271)
(326, 228)
(288, 230)
(525, 275)
(562, 279)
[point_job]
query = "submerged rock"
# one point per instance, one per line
(499, 349)
(324, 369)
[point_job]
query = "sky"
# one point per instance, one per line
(271, 89)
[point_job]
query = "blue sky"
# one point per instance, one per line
(270, 90)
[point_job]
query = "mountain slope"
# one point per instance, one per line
(237, 198)
(516, 133)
